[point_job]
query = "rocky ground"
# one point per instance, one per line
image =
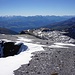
(50, 62)
(53, 60)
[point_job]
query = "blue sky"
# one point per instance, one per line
(37, 7)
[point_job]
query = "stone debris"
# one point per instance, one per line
(52, 61)
(47, 34)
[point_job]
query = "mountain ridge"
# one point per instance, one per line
(63, 24)
(68, 26)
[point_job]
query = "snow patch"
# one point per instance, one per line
(64, 44)
(57, 46)
(5, 40)
(54, 46)
(24, 39)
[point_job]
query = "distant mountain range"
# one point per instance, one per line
(19, 23)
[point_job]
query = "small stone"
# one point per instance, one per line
(54, 74)
(28, 64)
(27, 72)
(38, 73)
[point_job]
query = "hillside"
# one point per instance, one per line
(63, 24)
(7, 31)
(68, 25)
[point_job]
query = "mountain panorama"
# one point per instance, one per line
(19, 23)
(37, 45)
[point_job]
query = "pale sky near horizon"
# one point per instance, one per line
(37, 7)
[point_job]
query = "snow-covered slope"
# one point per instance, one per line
(11, 63)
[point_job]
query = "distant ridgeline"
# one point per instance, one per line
(19, 23)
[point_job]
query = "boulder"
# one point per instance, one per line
(23, 32)
(9, 49)
(54, 74)
(30, 32)
(45, 30)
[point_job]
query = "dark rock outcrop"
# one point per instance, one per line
(9, 49)
(70, 32)
(30, 32)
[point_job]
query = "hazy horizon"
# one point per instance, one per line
(33, 15)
